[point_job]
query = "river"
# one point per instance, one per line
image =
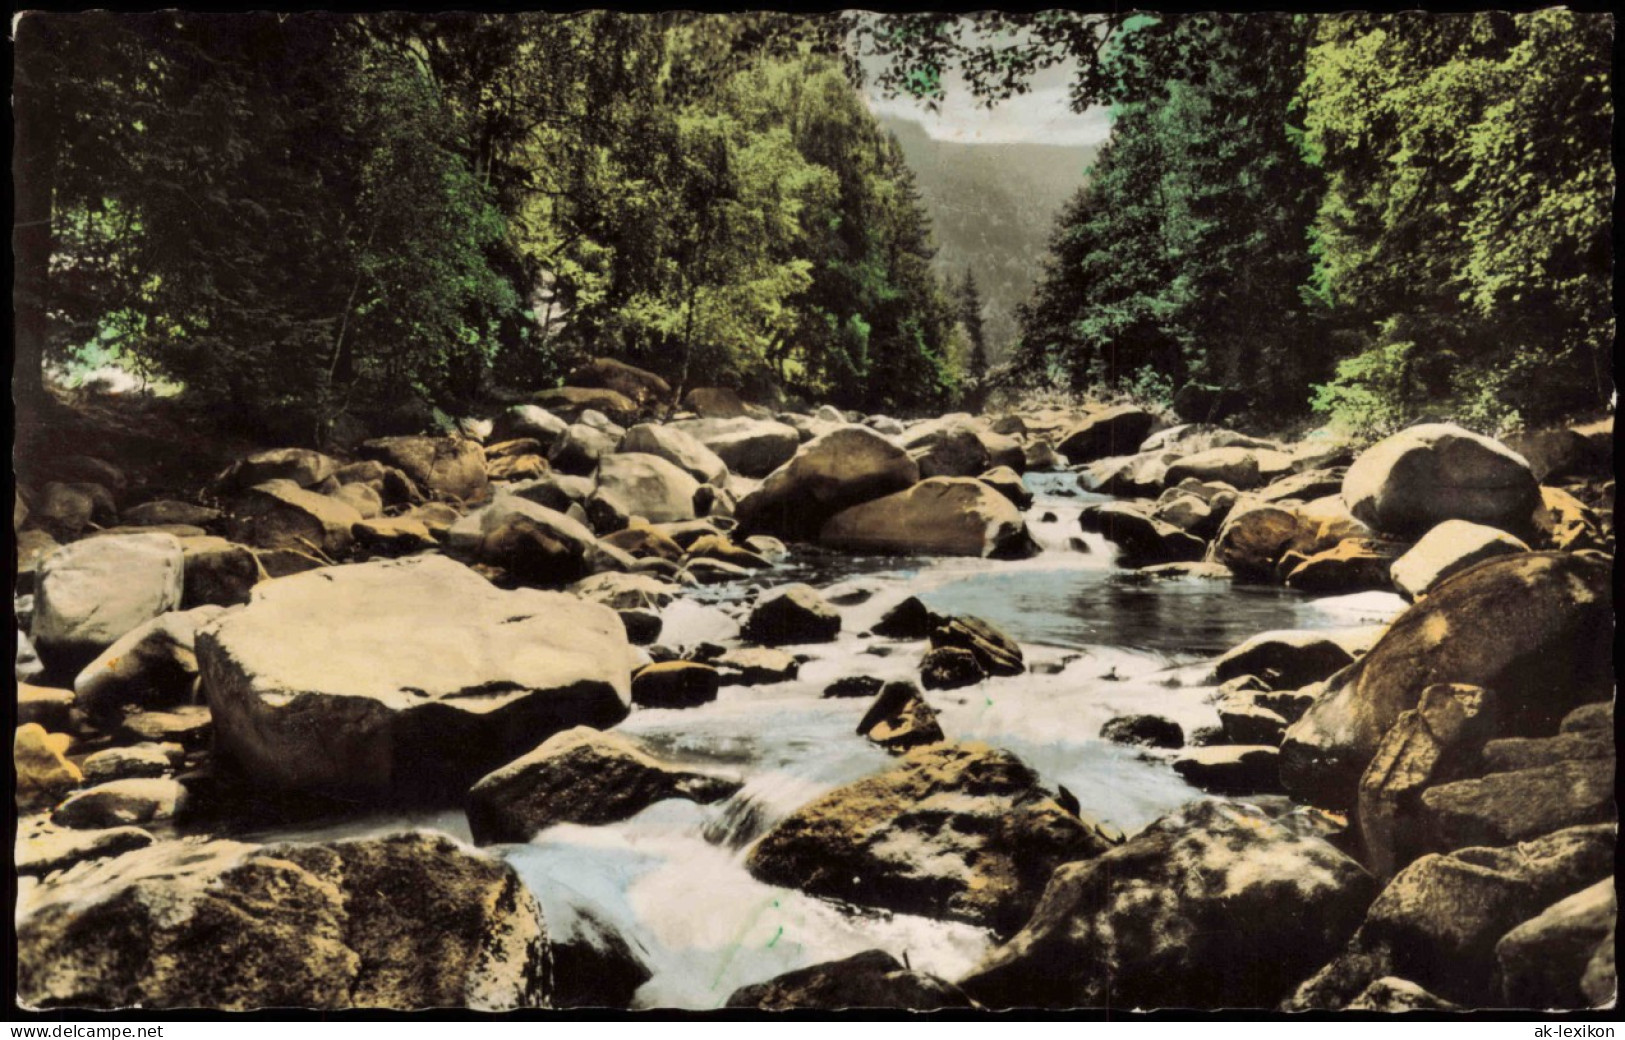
(1100, 641)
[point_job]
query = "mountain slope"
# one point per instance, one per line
(992, 208)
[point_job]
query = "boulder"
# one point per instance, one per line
(1498, 625)
(1390, 995)
(392, 536)
(304, 467)
(755, 667)
(67, 509)
(443, 467)
(1437, 741)
(1197, 402)
(643, 388)
(1144, 731)
(1244, 721)
(854, 686)
(151, 666)
(216, 572)
(33, 546)
(1231, 768)
(1141, 537)
(1242, 468)
(752, 447)
(943, 516)
(579, 776)
(949, 668)
(46, 705)
(580, 450)
(910, 619)
(995, 652)
(135, 762)
(633, 484)
(556, 491)
(408, 921)
(494, 535)
(791, 615)
(414, 676)
(279, 515)
(643, 541)
(677, 448)
(1598, 716)
(1449, 547)
(1353, 565)
(1558, 453)
(1304, 487)
(715, 402)
(1563, 522)
(626, 591)
(1128, 476)
(959, 831)
(92, 592)
(675, 684)
(1438, 921)
(44, 773)
(1007, 482)
(1115, 431)
(1425, 475)
(122, 803)
(1503, 808)
(1193, 911)
(1285, 659)
(570, 403)
(360, 497)
(528, 420)
(1256, 537)
(871, 979)
(1040, 457)
(845, 467)
(191, 726)
(716, 547)
(900, 719)
(948, 447)
(518, 467)
(1542, 962)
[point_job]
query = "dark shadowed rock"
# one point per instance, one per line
(643, 388)
(793, 614)
(1502, 808)
(910, 619)
(1231, 768)
(1438, 921)
(900, 719)
(854, 686)
(1542, 962)
(1142, 538)
(409, 921)
(958, 830)
(1194, 911)
(949, 668)
(675, 684)
(1499, 625)
(579, 776)
(872, 979)
(996, 653)
(1144, 730)
(151, 666)
(751, 447)
(1007, 482)
(441, 466)
(1114, 431)
(1285, 659)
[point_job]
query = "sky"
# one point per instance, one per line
(1041, 116)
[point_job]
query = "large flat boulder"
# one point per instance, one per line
(960, 831)
(1428, 474)
(845, 467)
(1194, 911)
(90, 593)
(1501, 625)
(407, 677)
(943, 516)
(752, 447)
(409, 921)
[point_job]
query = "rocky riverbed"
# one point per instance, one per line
(610, 700)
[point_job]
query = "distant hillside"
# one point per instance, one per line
(992, 209)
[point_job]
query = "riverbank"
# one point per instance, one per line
(1054, 709)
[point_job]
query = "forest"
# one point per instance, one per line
(1371, 218)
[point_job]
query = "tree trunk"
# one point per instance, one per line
(34, 162)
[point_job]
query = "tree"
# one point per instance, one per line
(970, 316)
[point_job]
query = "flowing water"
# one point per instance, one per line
(1100, 642)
